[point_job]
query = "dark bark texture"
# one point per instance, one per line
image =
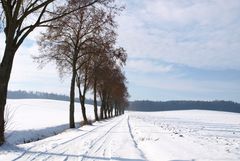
(5, 71)
(95, 100)
(72, 98)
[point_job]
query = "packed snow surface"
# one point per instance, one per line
(192, 135)
(34, 119)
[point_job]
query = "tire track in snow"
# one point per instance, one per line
(87, 146)
(134, 141)
(89, 133)
(95, 147)
(41, 153)
(103, 144)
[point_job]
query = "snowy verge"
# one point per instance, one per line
(34, 119)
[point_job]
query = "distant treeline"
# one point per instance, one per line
(41, 95)
(184, 105)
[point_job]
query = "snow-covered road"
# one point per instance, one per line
(193, 135)
(106, 140)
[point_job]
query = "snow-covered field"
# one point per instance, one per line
(136, 136)
(187, 135)
(34, 119)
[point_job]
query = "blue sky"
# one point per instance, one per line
(177, 49)
(182, 49)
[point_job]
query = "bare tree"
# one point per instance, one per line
(109, 78)
(18, 19)
(120, 95)
(98, 61)
(68, 43)
(83, 79)
(99, 48)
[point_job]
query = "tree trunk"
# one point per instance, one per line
(101, 111)
(82, 98)
(82, 101)
(3, 97)
(95, 100)
(5, 72)
(115, 110)
(109, 113)
(84, 113)
(109, 110)
(105, 112)
(72, 100)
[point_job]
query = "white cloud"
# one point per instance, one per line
(34, 35)
(178, 85)
(202, 34)
(203, 12)
(27, 76)
(147, 67)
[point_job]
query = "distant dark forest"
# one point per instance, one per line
(139, 105)
(184, 105)
(41, 95)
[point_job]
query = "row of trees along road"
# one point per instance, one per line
(80, 38)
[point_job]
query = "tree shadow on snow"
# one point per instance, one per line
(27, 136)
(62, 155)
(182, 160)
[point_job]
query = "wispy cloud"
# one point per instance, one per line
(147, 66)
(202, 34)
(194, 44)
(183, 12)
(177, 49)
(27, 76)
